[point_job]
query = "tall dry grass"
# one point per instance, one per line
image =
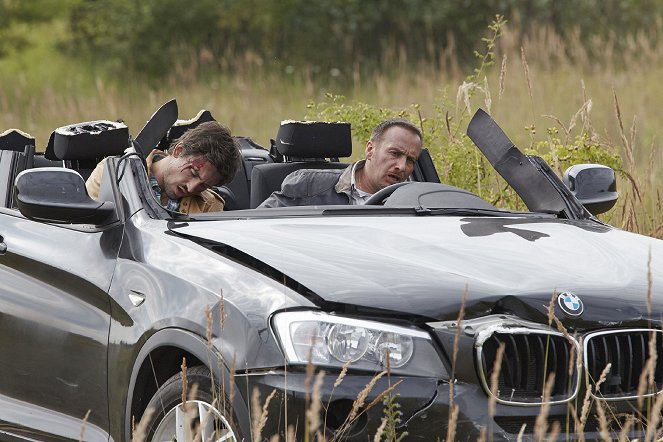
(38, 97)
(643, 423)
(538, 81)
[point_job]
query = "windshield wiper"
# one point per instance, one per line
(429, 211)
(478, 212)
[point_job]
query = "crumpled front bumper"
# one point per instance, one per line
(424, 404)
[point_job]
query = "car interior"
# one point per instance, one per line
(297, 145)
(300, 145)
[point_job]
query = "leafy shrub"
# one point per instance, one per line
(583, 149)
(458, 162)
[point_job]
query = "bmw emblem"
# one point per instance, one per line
(570, 304)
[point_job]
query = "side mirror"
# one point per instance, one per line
(58, 195)
(594, 185)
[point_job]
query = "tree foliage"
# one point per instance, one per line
(149, 37)
(155, 36)
(15, 14)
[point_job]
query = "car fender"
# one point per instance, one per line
(198, 347)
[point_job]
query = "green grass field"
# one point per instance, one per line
(536, 89)
(535, 85)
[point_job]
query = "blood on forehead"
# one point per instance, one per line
(204, 169)
(198, 161)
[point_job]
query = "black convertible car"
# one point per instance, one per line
(106, 305)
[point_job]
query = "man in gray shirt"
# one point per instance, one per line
(390, 156)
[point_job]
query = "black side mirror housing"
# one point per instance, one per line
(58, 195)
(594, 185)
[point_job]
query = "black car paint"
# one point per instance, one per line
(55, 319)
(157, 265)
(404, 259)
(72, 348)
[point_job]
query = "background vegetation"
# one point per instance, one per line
(573, 81)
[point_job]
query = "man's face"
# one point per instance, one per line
(188, 175)
(390, 159)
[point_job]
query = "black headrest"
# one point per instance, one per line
(181, 126)
(14, 139)
(314, 139)
(89, 140)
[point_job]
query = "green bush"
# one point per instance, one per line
(458, 162)
(583, 149)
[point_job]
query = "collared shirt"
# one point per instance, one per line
(156, 189)
(314, 187)
(206, 201)
(357, 196)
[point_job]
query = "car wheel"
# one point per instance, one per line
(204, 417)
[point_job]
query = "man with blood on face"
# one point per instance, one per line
(203, 157)
(390, 156)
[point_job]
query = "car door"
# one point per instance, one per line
(532, 179)
(54, 325)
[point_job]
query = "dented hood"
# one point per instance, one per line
(423, 266)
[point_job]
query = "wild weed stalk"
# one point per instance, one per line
(569, 140)
(609, 424)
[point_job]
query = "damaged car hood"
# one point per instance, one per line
(423, 266)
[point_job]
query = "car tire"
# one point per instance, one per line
(206, 413)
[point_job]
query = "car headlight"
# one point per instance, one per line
(330, 340)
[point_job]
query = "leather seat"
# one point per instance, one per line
(301, 145)
(16, 154)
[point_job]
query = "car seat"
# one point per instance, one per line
(82, 145)
(16, 154)
(300, 145)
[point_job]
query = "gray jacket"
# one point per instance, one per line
(313, 187)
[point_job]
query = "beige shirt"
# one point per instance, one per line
(206, 201)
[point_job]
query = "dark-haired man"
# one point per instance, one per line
(390, 156)
(203, 157)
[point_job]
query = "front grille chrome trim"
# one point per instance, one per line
(586, 363)
(487, 333)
